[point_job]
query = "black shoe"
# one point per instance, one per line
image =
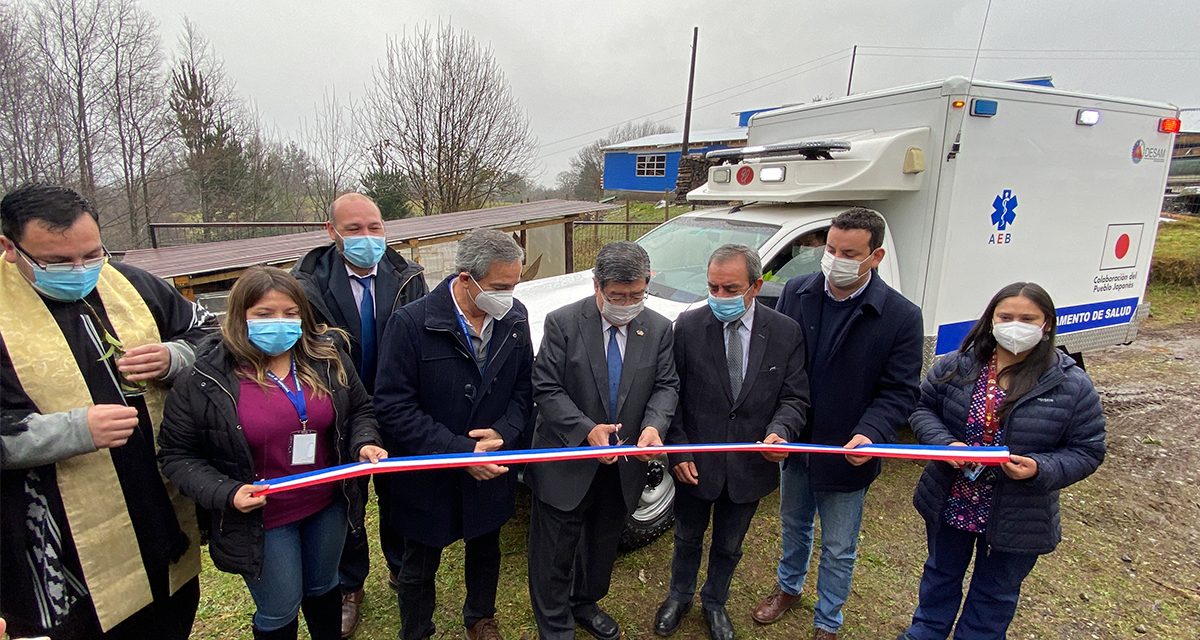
(670, 614)
(597, 623)
(720, 627)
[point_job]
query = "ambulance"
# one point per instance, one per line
(981, 184)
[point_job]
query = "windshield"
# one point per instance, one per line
(679, 253)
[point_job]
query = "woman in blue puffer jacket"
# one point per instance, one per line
(1007, 385)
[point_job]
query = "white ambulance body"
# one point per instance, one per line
(981, 184)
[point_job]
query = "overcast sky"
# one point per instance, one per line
(577, 67)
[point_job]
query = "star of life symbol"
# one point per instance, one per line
(1004, 210)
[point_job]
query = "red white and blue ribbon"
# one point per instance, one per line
(978, 455)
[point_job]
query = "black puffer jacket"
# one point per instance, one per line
(203, 451)
(1059, 423)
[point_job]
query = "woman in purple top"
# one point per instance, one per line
(273, 396)
(1007, 385)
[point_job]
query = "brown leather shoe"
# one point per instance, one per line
(350, 604)
(821, 634)
(774, 606)
(486, 629)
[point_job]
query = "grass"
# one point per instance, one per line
(1177, 252)
(1172, 303)
(1174, 291)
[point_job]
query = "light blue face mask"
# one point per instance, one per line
(727, 309)
(273, 336)
(363, 252)
(66, 283)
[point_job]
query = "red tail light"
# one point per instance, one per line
(1169, 125)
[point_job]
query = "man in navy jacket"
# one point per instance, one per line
(864, 349)
(355, 284)
(455, 378)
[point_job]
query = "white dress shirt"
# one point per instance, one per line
(622, 335)
(356, 287)
(744, 332)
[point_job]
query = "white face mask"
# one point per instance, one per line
(1017, 337)
(621, 315)
(494, 303)
(840, 272)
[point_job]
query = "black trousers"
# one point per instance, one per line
(571, 554)
(730, 522)
(167, 618)
(418, 591)
(356, 555)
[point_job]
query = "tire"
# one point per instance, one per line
(655, 512)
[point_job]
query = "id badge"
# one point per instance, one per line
(972, 471)
(304, 448)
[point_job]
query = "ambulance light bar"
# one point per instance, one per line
(810, 149)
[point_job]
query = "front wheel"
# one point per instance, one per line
(655, 512)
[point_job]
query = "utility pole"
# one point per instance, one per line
(850, 80)
(687, 114)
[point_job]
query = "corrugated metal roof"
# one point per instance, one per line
(208, 257)
(676, 139)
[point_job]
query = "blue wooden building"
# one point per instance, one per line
(651, 164)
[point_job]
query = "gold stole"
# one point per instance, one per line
(91, 493)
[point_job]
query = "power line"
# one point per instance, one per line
(715, 102)
(708, 95)
(1032, 50)
(884, 51)
(1001, 57)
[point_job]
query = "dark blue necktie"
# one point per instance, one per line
(614, 372)
(366, 324)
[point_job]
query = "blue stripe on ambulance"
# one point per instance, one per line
(1070, 319)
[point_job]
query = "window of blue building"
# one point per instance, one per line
(651, 165)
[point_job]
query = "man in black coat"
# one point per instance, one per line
(741, 379)
(456, 370)
(864, 349)
(355, 284)
(604, 375)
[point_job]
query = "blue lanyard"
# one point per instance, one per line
(296, 397)
(462, 323)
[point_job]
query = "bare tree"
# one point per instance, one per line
(449, 118)
(25, 146)
(334, 145)
(74, 49)
(137, 106)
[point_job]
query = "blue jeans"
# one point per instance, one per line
(991, 600)
(841, 518)
(300, 560)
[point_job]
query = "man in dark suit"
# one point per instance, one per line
(864, 348)
(604, 375)
(458, 363)
(741, 379)
(355, 284)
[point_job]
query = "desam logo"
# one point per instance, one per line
(1142, 151)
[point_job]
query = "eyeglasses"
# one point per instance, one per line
(625, 298)
(63, 267)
